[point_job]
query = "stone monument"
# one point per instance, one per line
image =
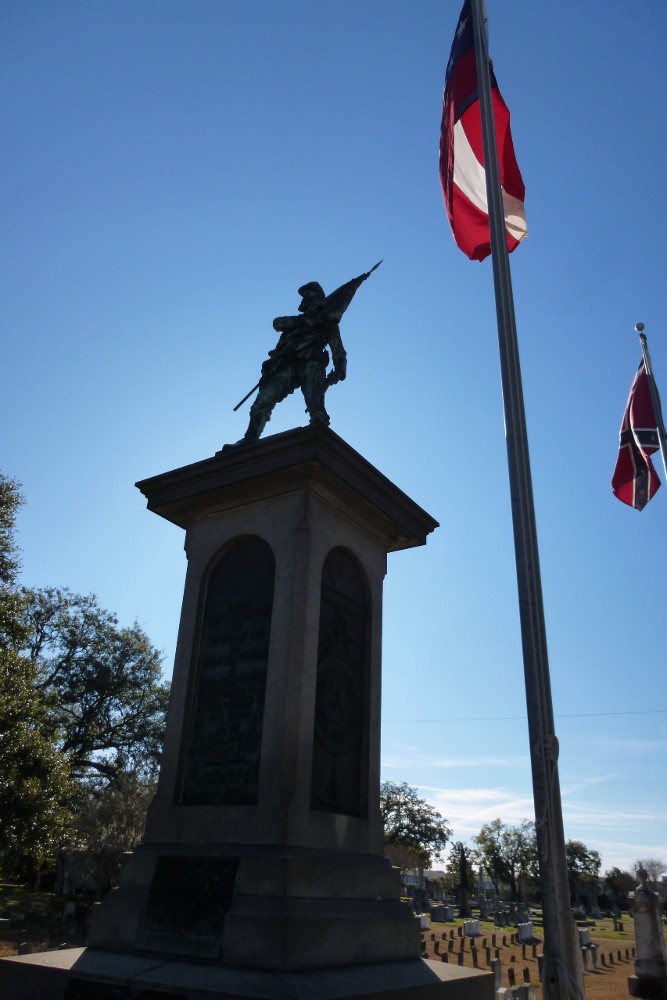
(650, 978)
(261, 873)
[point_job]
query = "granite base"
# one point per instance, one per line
(86, 974)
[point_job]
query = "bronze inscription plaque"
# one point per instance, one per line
(225, 736)
(340, 745)
(186, 905)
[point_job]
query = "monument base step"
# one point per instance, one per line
(262, 908)
(649, 987)
(87, 974)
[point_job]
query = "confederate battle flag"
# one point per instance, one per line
(635, 480)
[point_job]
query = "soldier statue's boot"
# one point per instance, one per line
(320, 419)
(258, 421)
(317, 413)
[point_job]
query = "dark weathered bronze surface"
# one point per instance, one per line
(186, 905)
(300, 358)
(224, 741)
(340, 746)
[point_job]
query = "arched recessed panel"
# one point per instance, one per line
(225, 735)
(340, 740)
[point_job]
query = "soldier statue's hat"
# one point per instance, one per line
(311, 286)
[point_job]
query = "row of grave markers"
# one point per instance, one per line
(592, 957)
(510, 915)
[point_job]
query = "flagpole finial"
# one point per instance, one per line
(639, 327)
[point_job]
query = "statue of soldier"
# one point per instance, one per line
(300, 358)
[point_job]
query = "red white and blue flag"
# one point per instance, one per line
(635, 481)
(462, 173)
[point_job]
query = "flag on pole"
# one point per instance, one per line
(635, 481)
(462, 172)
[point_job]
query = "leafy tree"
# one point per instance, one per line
(489, 842)
(34, 774)
(654, 867)
(10, 502)
(13, 627)
(35, 784)
(103, 680)
(411, 822)
(109, 820)
(508, 854)
(403, 856)
(521, 848)
(618, 884)
(459, 877)
(459, 870)
(583, 867)
(79, 696)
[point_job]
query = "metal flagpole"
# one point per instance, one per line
(562, 977)
(655, 398)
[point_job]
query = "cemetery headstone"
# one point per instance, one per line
(526, 933)
(650, 976)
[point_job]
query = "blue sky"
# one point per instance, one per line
(173, 171)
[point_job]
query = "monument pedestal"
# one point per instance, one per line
(85, 974)
(262, 872)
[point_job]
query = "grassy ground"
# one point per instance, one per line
(608, 982)
(36, 917)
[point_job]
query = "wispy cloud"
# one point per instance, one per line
(619, 744)
(568, 788)
(618, 834)
(604, 809)
(611, 817)
(610, 849)
(468, 809)
(416, 757)
(477, 762)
